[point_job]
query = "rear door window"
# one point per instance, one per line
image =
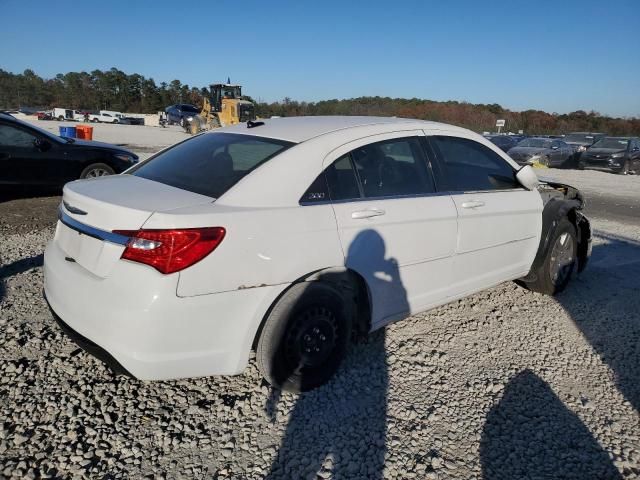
(466, 165)
(209, 164)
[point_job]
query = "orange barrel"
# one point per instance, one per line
(84, 132)
(88, 132)
(80, 131)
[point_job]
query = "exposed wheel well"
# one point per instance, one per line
(353, 289)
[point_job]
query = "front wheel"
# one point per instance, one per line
(560, 262)
(96, 170)
(305, 338)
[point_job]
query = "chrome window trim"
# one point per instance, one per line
(89, 231)
(370, 199)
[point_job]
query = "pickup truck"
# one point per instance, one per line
(105, 117)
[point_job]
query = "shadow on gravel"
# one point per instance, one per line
(531, 434)
(605, 305)
(339, 430)
(16, 267)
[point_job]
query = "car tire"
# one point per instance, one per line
(182, 122)
(60, 118)
(96, 170)
(115, 121)
(560, 261)
(305, 337)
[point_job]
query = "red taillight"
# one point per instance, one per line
(170, 251)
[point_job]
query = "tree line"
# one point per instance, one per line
(116, 90)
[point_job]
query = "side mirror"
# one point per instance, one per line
(527, 177)
(41, 144)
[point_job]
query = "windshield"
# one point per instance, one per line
(535, 142)
(209, 164)
(579, 138)
(611, 142)
(190, 108)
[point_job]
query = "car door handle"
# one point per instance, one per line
(473, 204)
(371, 212)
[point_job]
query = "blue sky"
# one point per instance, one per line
(556, 56)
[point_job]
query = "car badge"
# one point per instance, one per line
(73, 209)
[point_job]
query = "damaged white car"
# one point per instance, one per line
(291, 236)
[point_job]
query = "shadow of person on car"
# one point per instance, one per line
(531, 434)
(14, 268)
(339, 429)
(605, 306)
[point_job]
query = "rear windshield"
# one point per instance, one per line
(612, 142)
(535, 142)
(578, 138)
(209, 164)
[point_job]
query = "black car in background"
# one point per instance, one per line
(32, 156)
(545, 151)
(504, 142)
(178, 112)
(580, 141)
(613, 154)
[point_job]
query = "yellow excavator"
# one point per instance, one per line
(223, 107)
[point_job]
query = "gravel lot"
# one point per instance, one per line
(504, 384)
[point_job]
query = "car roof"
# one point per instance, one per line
(301, 129)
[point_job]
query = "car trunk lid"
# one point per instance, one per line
(92, 209)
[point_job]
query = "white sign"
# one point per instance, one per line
(500, 123)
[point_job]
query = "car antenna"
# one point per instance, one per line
(252, 124)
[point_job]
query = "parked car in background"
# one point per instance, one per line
(61, 114)
(580, 141)
(545, 151)
(504, 142)
(614, 154)
(32, 156)
(45, 115)
(131, 120)
(177, 113)
(206, 246)
(104, 116)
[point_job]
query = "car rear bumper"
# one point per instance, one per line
(134, 321)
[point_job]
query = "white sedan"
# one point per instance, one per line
(290, 236)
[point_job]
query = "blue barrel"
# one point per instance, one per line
(68, 132)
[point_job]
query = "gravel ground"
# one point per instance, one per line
(504, 384)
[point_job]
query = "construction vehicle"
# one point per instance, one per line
(223, 107)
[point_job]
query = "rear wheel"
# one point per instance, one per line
(304, 339)
(556, 270)
(96, 170)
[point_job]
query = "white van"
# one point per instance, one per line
(63, 114)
